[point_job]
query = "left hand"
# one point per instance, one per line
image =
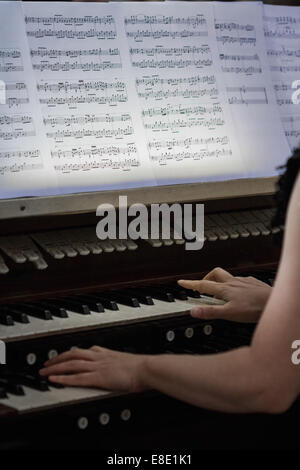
(97, 367)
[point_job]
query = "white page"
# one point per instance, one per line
(87, 96)
(25, 167)
(282, 34)
(243, 58)
(189, 131)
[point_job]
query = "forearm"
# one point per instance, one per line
(226, 382)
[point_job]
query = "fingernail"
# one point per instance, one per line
(197, 312)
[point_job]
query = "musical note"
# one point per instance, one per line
(11, 60)
(247, 95)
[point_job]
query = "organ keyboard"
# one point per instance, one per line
(62, 287)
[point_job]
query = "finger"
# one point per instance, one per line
(218, 275)
(204, 287)
(75, 353)
(209, 312)
(87, 379)
(67, 367)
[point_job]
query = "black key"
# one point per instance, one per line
(6, 319)
(124, 299)
(55, 309)
(74, 306)
(191, 293)
(105, 301)
(17, 315)
(3, 393)
(142, 297)
(34, 311)
(31, 381)
(177, 292)
(11, 387)
(159, 294)
(91, 303)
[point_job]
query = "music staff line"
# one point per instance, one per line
(80, 85)
(212, 123)
(117, 133)
(187, 155)
(67, 34)
(172, 110)
(163, 34)
(194, 21)
(155, 80)
(124, 165)
(171, 64)
(186, 143)
(70, 21)
(20, 154)
(170, 50)
(18, 168)
(69, 66)
(55, 53)
(79, 100)
(94, 151)
(195, 93)
(86, 119)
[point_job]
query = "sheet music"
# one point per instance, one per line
(282, 35)
(173, 52)
(250, 94)
(25, 168)
(86, 96)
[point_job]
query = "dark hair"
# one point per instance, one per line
(285, 187)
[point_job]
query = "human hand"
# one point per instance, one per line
(245, 297)
(96, 367)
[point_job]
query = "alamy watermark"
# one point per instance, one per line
(2, 353)
(2, 92)
(296, 354)
(296, 93)
(159, 221)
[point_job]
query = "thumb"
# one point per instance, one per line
(209, 312)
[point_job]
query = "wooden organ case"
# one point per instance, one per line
(60, 287)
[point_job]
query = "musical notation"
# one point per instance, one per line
(212, 123)
(241, 41)
(56, 53)
(95, 151)
(287, 33)
(171, 110)
(242, 70)
(80, 85)
(70, 21)
(81, 92)
(18, 168)
(178, 51)
(19, 154)
(68, 34)
(82, 133)
(171, 64)
(16, 94)
(207, 79)
(239, 57)
(163, 34)
(70, 66)
(73, 101)
(166, 94)
(192, 21)
(17, 134)
(231, 26)
(15, 119)
(11, 60)
(184, 155)
(188, 142)
(124, 165)
(283, 52)
(87, 119)
(285, 68)
(291, 126)
(247, 95)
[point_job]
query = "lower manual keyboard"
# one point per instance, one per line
(75, 321)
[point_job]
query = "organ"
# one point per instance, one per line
(63, 287)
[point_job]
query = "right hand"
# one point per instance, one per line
(245, 297)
